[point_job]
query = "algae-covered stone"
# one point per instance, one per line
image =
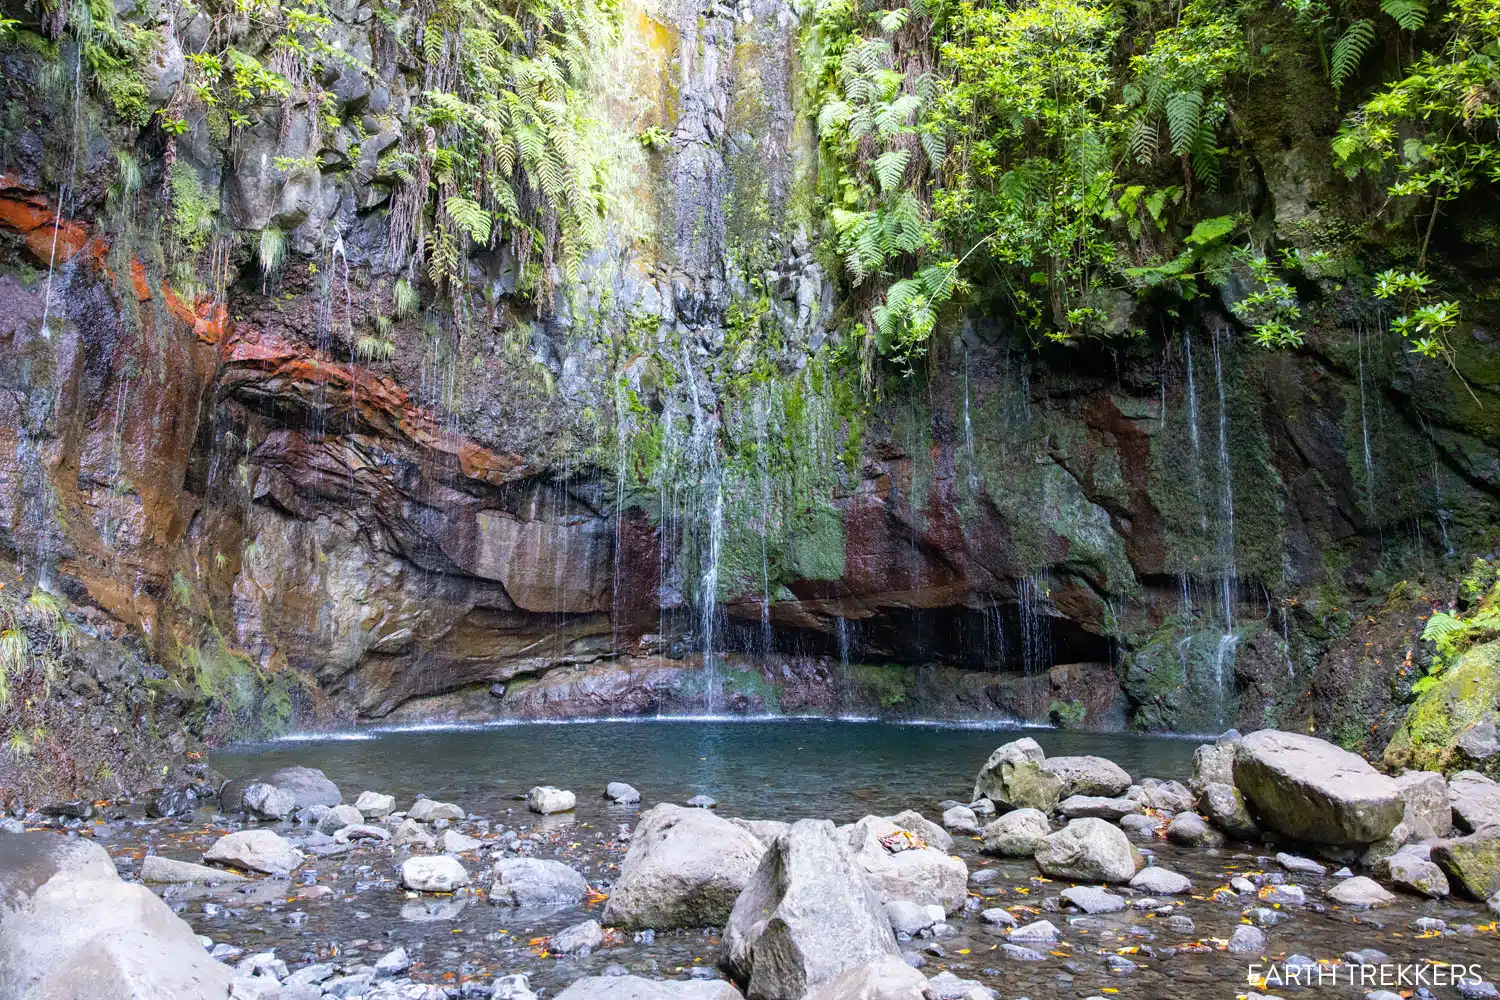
(1015, 777)
(1461, 699)
(1311, 790)
(1472, 863)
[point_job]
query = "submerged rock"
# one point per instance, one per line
(805, 917)
(1311, 790)
(621, 794)
(434, 873)
(547, 800)
(164, 871)
(685, 868)
(536, 882)
(579, 938)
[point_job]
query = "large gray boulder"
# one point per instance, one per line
(897, 869)
(263, 851)
(1013, 778)
(1088, 850)
(930, 832)
(70, 929)
(433, 873)
(536, 882)
(1428, 811)
(685, 868)
(1214, 762)
(885, 978)
(1475, 800)
(307, 786)
(1088, 775)
(1308, 789)
(806, 916)
(1016, 834)
(1471, 863)
(1225, 807)
(637, 988)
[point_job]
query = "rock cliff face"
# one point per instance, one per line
(554, 505)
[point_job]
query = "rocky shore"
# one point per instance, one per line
(1060, 876)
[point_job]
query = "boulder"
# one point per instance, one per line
(1471, 863)
(1165, 796)
(621, 794)
(158, 870)
(361, 831)
(453, 842)
(536, 882)
(1016, 834)
(1475, 801)
(911, 918)
(1114, 810)
(928, 831)
(269, 802)
(1225, 808)
(433, 873)
(960, 819)
(547, 800)
(70, 929)
(1013, 778)
(1308, 789)
(430, 810)
(1160, 882)
(1141, 827)
(409, 832)
(638, 988)
(1214, 762)
(1088, 850)
(1191, 830)
(579, 938)
(885, 978)
(255, 850)
(764, 830)
(1428, 812)
(899, 868)
(1088, 775)
(1415, 874)
(308, 785)
(1092, 899)
(1360, 891)
(685, 868)
(374, 805)
(338, 817)
(805, 917)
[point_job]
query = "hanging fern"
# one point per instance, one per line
(470, 217)
(1410, 14)
(890, 167)
(1184, 111)
(1443, 625)
(1349, 50)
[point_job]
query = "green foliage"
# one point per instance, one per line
(1424, 322)
(271, 250)
(1349, 50)
(194, 210)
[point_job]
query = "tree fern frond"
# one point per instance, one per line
(1410, 14)
(1349, 50)
(889, 167)
(1184, 113)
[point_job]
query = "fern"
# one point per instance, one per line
(1409, 14)
(470, 217)
(1184, 114)
(272, 250)
(890, 167)
(405, 299)
(1349, 50)
(1443, 625)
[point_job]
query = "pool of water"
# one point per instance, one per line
(765, 769)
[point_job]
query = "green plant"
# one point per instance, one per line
(271, 251)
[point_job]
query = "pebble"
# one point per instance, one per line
(1247, 940)
(1295, 863)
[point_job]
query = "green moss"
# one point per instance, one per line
(1464, 695)
(250, 702)
(194, 210)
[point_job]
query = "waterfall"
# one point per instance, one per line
(1364, 424)
(973, 474)
(763, 473)
(1036, 623)
(845, 672)
(1192, 422)
(709, 590)
(1224, 531)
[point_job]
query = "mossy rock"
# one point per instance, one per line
(1465, 695)
(1472, 863)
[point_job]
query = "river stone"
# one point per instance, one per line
(946, 986)
(1037, 932)
(1165, 796)
(429, 810)
(638, 988)
(1092, 899)
(1191, 830)
(547, 800)
(1308, 789)
(805, 917)
(374, 805)
(1160, 882)
(579, 938)
(536, 882)
(1475, 800)
(1471, 863)
(764, 830)
(409, 832)
(1013, 778)
(1428, 814)
(1088, 850)
(1225, 808)
(1248, 940)
(1296, 863)
(1016, 834)
(361, 831)
(621, 794)
(920, 874)
(911, 918)
(1087, 775)
(1079, 806)
(1361, 892)
(885, 978)
(165, 871)
(433, 873)
(960, 819)
(269, 802)
(930, 832)
(1141, 827)
(1414, 873)
(1213, 762)
(308, 785)
(255, 850)
(453, 842)
(685, 868)
(70, 929)
(339, 817)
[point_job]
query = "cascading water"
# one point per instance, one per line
(1036, 623)
(1224, 532)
